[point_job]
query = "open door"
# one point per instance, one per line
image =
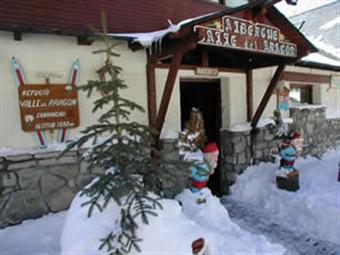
(206, 96)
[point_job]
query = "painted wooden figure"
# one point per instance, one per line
(200, 172)
(288, 176)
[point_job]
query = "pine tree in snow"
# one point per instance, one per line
(125, 151)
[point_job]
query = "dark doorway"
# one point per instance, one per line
(206, 96)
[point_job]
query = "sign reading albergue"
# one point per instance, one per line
(48, 106)
(236, 33)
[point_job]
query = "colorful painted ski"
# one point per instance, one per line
(20, 79)
(72, 79)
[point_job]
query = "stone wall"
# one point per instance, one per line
(318, 132)
(34, 185)
(237, 152)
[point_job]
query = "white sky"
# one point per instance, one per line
(302, 6)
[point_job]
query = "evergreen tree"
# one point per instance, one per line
(126, 151)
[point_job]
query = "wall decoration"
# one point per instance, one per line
(48, 106)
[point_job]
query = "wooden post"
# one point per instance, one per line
(205, 58)
(169, 85)
(151, 90)
(249, 74)
(267, 95)
(184, 46)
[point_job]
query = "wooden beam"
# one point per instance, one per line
(306, 77)
(249, 75)
(205, 58)
(151, 90)
(17, 36)
(193, 67)
(84, 40)
(267, 96)
(169, 85)
(170, 49)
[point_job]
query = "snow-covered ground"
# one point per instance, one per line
(314, 210)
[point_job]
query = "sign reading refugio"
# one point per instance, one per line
(236, 33)
(48, 106)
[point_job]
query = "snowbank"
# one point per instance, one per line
(171, 232)
(314, 209)
(222, 234)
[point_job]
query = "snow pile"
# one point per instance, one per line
(332, 113)
(245, 126)
(314, 209)
(172, 232)
(33, 237)
(168, 233)
(221, 233)
(51, 147)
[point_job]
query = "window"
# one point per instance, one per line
(301, 93)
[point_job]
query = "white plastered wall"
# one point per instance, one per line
(233, 99)
(323, 93)
(54, 54)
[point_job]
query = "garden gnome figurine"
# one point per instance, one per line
(288, 176)
(200, 172)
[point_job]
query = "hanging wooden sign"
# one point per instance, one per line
(241, 34)
(206, 71)
(48, 106)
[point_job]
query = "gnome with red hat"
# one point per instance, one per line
(200, 172)
(287, 176)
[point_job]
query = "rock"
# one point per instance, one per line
(51, 183)
(29, 178)
(84, 179)
(22, 165)
(66, 171)
(59, 199)
(20, 157)
(9, 179)
(24, 205)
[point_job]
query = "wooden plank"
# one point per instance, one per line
(17, 36)
(193, 67)
(151, 90)
(249, 75)
(205, 58)
(306, 77)
(267, 95)
(169, 85)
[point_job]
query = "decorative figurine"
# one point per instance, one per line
(288, 176)
(200, 172)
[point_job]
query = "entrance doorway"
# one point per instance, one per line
(206, 96)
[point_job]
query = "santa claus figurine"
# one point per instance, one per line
(200, 172)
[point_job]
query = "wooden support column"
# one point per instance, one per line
(185, 45)
(249, 75)
(267, 96)
(151, 90)
(169, 85)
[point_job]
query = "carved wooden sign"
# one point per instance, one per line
(241, 34)
(206, 71)
(48, 106)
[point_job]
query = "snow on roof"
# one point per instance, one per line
(146, 39)
(321, 26)
(330, 24)
(321, 59)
